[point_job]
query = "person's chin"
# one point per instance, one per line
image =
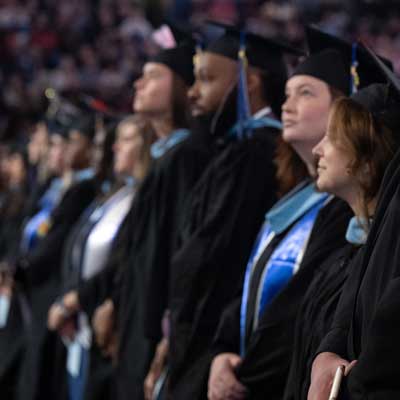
(290, 135)
(138, 106)
(196, 112)
(322, 186)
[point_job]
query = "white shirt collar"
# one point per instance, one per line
(262, 113)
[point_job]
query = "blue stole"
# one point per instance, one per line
(39, 224)
(254, 123)
(161, 146)
(298, 209)
(82, 175)
(357, 232)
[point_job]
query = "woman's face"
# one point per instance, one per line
(153, 90)
(333, 170)
(305, 113)
(126, 149)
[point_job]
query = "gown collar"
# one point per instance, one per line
(161, 146)
(264, 112)
(83, 174)
(295, 204)
(357, 232)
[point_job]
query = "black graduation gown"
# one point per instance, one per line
(269, 349)
(156, 213)
(221, 222)
(39, 378)
(12, 336)
(366, 325)
(12, 341)
(92, 292)
(11, 217)
(315, 318)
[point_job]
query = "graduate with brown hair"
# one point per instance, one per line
(351, 132)
(364, 333)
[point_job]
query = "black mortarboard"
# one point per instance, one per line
(85, 125)
(63, 115)
(381, 100)
(60, 113)
(329, 67)
(180, 58)
(338, 63)
(101, 110)
(261, 52)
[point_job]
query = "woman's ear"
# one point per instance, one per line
(366, 169)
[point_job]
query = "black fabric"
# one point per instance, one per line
(315, 318)
(13, 335)
(179, 59)
(367, 70)
(100, 383)
(328, 66)
(222, 218)
(85, 125)
(11, 218)
(382, 100)
(100, 374)
(39, 272)
(12, 345)
(266, 364)
(262, 52)
(255, 282)
(157, 210)
(207, 134)
(366, 324)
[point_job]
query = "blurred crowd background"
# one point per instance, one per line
(98, 46)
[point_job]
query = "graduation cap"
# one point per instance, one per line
(104, 114)
(178, 58)
(85, 125)
(63, 115)
(250, 49)
(381, 100)
(261, 52)
(60, 113)
(343, 65)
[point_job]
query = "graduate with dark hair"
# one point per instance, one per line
(364, 334)
(225, 209)
(179, 159)
(87, 252)
(37, 267)
(147, 235)
(256, 333)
